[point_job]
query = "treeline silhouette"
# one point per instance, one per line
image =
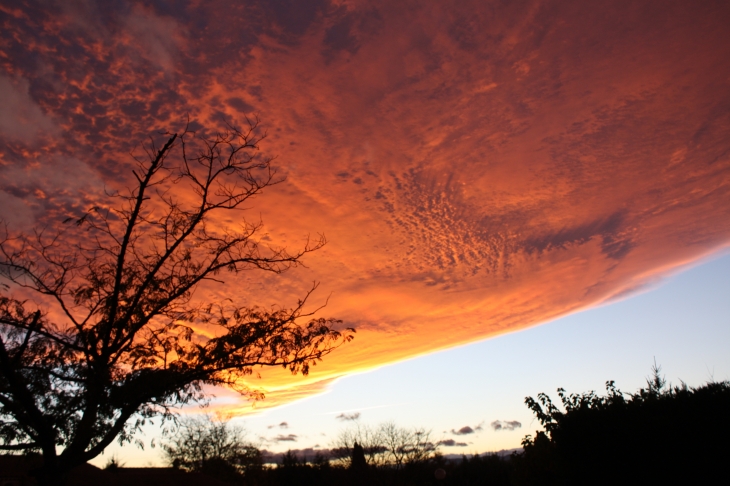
(659, 435)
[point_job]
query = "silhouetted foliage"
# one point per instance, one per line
(212, 447)
(384, 445)
(359, 469)
(358, 462)
(659, 435)
(113, 464)
(96, 335)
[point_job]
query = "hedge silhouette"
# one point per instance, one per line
(659, 435)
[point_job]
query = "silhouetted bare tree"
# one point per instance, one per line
(365, 436)
(102, 338)
(214, 447)
(385, 445)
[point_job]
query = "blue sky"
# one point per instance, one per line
(683, 322)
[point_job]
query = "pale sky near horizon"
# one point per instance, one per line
(683, 322)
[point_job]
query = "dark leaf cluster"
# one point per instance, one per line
(658, 435)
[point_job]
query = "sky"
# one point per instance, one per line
(682, 323)
(481, 170)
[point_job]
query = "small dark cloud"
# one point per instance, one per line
(345, 34)
(282, 425)
(463, 431)
(285, 438)
(498, 425)
(348, 416)
(451, 443)
(292, 17)
(240, 105)
(339, 36)
(614, 244)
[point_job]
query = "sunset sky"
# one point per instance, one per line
(478, 168)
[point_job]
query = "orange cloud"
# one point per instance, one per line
(477, 168)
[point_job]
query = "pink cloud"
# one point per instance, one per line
(477, 168)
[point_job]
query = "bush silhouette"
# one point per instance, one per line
(658, 435)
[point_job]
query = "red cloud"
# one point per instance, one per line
(477, 168)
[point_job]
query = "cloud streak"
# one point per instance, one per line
(466, 430)
(498, 425)
(348, 416)
(285, 438)
(451, 443)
